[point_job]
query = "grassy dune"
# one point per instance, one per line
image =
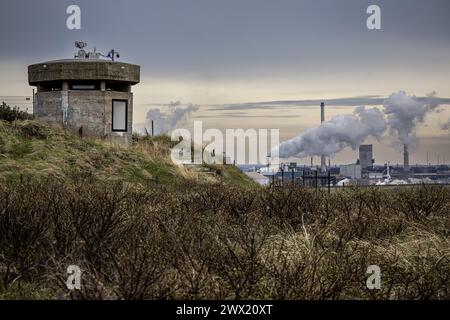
(90, 204)
(33, 150)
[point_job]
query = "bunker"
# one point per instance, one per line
(89, 94)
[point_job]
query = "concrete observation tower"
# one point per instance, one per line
(89, 94)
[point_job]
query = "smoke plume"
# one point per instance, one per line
(333, 136)
(401, 114)
(446, 126)
(167, 120)
(405, 112)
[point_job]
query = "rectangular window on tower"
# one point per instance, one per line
(120, 115)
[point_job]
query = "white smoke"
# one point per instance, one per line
(333, 136)
(405, 112)
(167, 120)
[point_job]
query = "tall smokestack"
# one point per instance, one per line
(406, 157)
(323, 161)
(322, 112)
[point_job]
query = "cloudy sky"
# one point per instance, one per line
(228, 56)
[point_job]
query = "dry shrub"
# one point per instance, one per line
(213, 241)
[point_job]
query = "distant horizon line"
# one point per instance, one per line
(364, 100)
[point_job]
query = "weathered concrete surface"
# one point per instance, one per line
(48, 106)
(77, 69)
(91, 110)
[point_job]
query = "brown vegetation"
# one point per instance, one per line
(197, 241)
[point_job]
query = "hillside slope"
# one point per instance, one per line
(32, 150)
(185, 239)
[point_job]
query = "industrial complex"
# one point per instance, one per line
(91, 95)
(363, 172)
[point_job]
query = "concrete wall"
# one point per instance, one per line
(76, 69)
(91, 110)
(48, 106)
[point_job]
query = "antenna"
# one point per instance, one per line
(84, 54)
(113, 54)
(80, 44)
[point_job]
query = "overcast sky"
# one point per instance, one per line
(238, 51)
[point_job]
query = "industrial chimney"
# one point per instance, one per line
(323, 161)
(406, 158)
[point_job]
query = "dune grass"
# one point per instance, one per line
(66, 200)
(32, 150)
(198, 241)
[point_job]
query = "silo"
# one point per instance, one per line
(366, 156)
